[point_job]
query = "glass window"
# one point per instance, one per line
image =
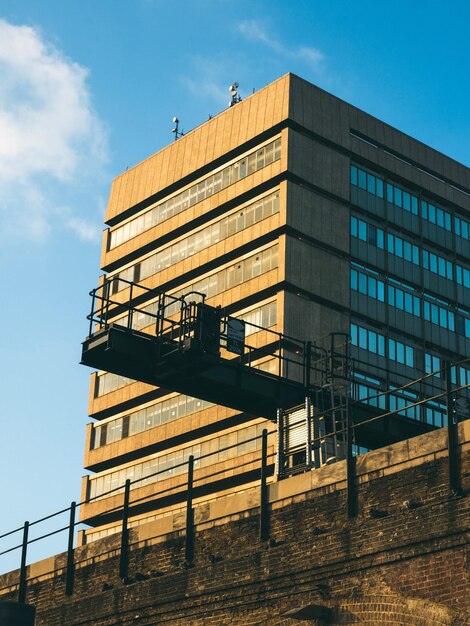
(451, 321)
(425, 259)
(354, 334)
(408, 303)
(380, 291)
(409, 356)
(354, 230)
(380, 188)
(440, 217)
(427, 310)
(354, 281)
(397, 197)
(424, 210)
(400, 348)
(353, 175)
(381, 345)
(465, 230)
(407, 251)
(449, 270)
(399, 247)
(380, 238)
(362, 179)
(363, 338)
(406, 201)
(399, 299)
(363, 283)
(362, 230)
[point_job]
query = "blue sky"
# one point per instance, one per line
(89, 88)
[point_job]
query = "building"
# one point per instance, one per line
(301, 214)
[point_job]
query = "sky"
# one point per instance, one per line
(90, 88)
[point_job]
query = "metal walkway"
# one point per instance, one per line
(184, 345)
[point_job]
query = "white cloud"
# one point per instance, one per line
(85, 230)
(207, 80)
(254, 30)
(50, 137)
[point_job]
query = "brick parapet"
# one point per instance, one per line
(407, 544)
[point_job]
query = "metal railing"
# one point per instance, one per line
(188, 490)
(177, 318)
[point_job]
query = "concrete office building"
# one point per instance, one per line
(296, 212)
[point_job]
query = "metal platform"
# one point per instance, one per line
(189, 347)
(184, 345)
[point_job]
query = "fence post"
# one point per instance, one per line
(189, 547)
(123, 561)
(24, 549)
(452, 434)
(69, 576)
(263, 520)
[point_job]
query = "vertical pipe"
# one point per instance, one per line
(70, 553)
(24, 549)
(264, 521)
(280, 361)
(123, 560)
(452, 434)
(189, 547)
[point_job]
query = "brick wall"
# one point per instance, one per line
(402, 560)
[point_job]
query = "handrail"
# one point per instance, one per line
(206, 479)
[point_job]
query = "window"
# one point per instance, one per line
(367, 181)
(367, 232)
(402, 199)
(165, 466)
(367, 339)
(462, 228)
(402, 297)
(432, 364)
(196, 193)
(200, 240)
(211, 285)
(400, 352)
(436, 215)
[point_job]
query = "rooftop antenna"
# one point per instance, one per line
(178, 133)
(235, 97)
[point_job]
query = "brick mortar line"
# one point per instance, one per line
(350, 567)
(142, 544)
